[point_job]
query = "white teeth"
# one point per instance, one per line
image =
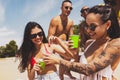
(38, 40)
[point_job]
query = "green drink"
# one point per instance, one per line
(42, 64)
(75, 39)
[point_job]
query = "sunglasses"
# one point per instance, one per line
(35, 35)
(83, 10)
(92, 27)
(67, 7)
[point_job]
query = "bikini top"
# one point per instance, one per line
(106, 72)
(45, 51)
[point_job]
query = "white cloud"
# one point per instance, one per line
(6, 35)
(5, 32)
(6, 40)
(2, 13)
(35, 10)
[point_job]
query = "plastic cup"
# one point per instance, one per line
(75, 39)
(42, 64)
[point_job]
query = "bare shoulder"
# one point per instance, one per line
(56, 19)
(115, 42)
(114, 46)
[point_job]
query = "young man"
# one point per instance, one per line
(61, 25)
(84, 11)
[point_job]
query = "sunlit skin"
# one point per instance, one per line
(38, 40)
(100, 30)
(61, 25)
(84, 14)
(40, 52)
(66, 12)
(97, 57)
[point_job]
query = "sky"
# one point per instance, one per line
(15, 14)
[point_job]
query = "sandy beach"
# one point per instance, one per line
(9, 71)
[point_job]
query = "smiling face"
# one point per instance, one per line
(100, 28)
(36, 36)
(66, 8)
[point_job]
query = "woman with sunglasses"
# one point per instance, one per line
(102, 55)
(31, 51)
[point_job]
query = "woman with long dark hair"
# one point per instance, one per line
(31, 51)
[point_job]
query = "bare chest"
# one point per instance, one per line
(63, 28)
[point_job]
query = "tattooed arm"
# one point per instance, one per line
(105, 58)
(101, 61)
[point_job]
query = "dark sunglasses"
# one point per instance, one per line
(92, 27)
(35, 35)
(83, 10)
(67, 7)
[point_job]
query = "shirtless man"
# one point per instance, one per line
(61, 25)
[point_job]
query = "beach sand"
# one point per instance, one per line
(9, 71)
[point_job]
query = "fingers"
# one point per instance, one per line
(50, 40)
(50, 59)
(36, 67)
(70, 44)
(47, 60)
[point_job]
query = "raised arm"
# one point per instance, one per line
(59, 50)
(64, 46)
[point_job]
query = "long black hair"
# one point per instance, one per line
(107, 13)
(27, 49)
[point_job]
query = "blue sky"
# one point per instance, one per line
(15, 14)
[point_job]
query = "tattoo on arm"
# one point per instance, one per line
(100, 62)
(107, 59)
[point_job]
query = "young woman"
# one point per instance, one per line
(32, 49)
(101, 55)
